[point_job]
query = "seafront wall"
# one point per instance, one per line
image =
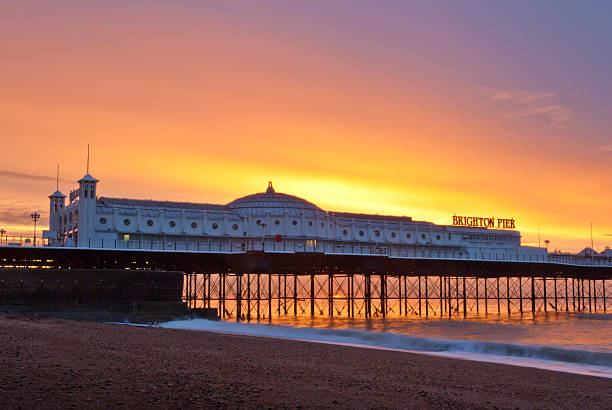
(104, 294)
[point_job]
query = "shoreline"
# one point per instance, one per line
(579, 368)
(53, 362)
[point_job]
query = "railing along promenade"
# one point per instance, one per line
(270, 245)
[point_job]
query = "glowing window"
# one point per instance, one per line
(126, 237)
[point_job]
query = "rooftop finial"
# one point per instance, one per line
(87, 158)
(270, 189)
(57, 179)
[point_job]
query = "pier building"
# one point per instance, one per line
(270, 221)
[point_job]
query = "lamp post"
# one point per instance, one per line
(2, 233)
(35, 216)
(263, 236)
(547, 242)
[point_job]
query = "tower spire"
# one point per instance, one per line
(57, 179)
(88, 158)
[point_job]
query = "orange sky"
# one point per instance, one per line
(207, 103)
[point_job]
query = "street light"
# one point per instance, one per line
(35, 216)
(547, 242)
(263, 236)
(2, 232)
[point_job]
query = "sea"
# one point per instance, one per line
(572, 342)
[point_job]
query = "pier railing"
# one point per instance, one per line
(271, 245)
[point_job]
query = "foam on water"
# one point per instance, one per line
(595, 361)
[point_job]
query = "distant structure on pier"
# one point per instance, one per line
(89, 220)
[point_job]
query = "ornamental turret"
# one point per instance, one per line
(86, 210)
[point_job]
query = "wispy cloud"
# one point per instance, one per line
(605, 148)
(30, 177)
(530, 103)
(17, 213)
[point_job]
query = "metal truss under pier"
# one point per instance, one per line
(260, 285)
(260, 296)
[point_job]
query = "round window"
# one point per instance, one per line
(235, 227)
(127, 221)
(294, 222)
(258, 222)
(438, 237)
(172, 224)
(215, 225)
(345, 232)
(408, 235)
(194, 225)
(423, 236)
(377, 233)
(150, 222)
(393, 234)
(360, 233)
(103, 221)
(276, 222)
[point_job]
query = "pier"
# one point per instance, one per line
(260, 285)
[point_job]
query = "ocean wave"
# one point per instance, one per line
(390, 340)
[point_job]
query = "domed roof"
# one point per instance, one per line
(273, 203)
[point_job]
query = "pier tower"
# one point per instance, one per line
(86, 210)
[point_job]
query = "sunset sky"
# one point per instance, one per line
(426, 109)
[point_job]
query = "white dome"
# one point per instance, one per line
(273, 203)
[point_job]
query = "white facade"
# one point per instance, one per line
(268, 220)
